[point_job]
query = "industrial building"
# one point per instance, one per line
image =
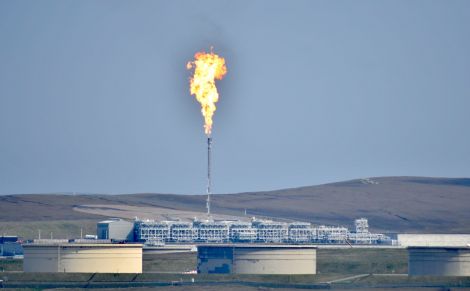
(302, 231)
(241, 231)
(115, 229)
(9, 246)
(212, 231)
(83, 258)
(183, 232)
(270, 231)
(331, 234)
(439, 261)
(362, 234)
(430, 240)
(153, 232)
(256, 259)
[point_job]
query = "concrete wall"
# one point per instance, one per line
(253, 259)
(423, 240)
(83, 258)
(115, 229)
(439, 261)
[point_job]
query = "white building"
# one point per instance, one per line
(301, 232)
(242, 232)
(153, 232)
(436, 240)
(115, 229)
(271, 231)
(212, 231)
(183, 232)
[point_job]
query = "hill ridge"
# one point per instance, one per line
(392, 204)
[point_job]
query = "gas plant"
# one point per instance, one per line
(153, 232)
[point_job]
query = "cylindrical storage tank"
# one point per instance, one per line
(439, 261)
(274, 260)
(83, 258)
(214, 259)
(257, 259)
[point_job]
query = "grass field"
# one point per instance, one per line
(360, 261)
(177, 262)
(58, 228)
(253, 288)
(9, 265)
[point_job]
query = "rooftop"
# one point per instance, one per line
(440, 247)
(240, 245)
(33, 245)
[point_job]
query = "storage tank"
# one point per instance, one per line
(256, 259)
(83, 258)
(439, 261)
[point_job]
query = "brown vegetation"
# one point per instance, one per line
(392, 204)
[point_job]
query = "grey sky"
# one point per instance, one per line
(94, 94)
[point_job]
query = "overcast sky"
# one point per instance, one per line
(94, 95)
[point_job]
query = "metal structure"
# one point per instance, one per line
(362, 225)
(301, 232)
(270, 231)
(152, 232)
(183, 232)
(331, 234)
(212, 231)
(209, 182)
(257, 231)
(241, 231)
(362, 234)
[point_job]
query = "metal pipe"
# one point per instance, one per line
(208, 202)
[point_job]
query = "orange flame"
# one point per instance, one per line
(207, 68)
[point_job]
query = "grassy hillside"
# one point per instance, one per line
(57, 228)
(392, 204)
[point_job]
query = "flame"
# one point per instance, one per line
(207, 68)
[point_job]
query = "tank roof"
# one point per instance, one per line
(242, 245)
(81, 245)
(440, 247)
(112, 220)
